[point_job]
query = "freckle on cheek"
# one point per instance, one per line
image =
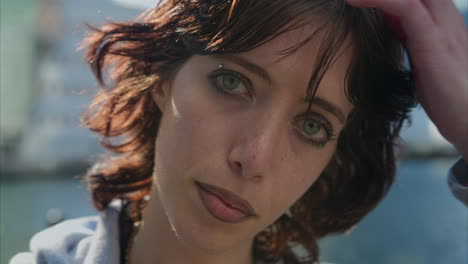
(283, 157)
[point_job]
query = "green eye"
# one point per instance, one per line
(316, 130)
(311, 127)
(229, 82)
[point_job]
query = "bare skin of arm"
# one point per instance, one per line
(436, 38)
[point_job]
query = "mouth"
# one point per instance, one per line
(224, 205)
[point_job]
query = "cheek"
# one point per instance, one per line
(297, 175)
(194, 130)
(190, 131)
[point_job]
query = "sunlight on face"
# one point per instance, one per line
(174, 109)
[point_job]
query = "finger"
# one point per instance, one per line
(443, 11)
(400, 8)
(389, 6)
(447, 15)
(413, 14)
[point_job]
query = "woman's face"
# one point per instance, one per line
(240, 123)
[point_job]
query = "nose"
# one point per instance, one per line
(257, 148)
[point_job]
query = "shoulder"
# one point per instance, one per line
(62, 243)
(83, 240)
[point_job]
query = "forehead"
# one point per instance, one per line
(295, 70)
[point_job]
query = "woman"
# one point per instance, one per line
(248, 130)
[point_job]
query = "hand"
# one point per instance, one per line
(436, 38)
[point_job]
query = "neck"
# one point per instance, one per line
(157, 242)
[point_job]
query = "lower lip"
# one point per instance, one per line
(219, 209)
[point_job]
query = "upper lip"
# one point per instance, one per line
(229, 197)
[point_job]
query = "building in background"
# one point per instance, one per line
(17, 69)
(46, 83)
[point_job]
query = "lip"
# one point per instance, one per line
(223, 204)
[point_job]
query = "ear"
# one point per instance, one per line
(161, 94)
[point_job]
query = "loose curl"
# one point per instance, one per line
(129, 59)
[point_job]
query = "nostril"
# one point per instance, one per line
(238, 165)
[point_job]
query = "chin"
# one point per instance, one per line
(208, 235)
(208, 241)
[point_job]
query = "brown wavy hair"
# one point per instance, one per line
(129, 59)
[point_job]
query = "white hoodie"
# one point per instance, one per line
(86, 240)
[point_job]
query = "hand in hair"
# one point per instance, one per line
(436, 39)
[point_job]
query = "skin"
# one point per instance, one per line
(205, 140)
(436, 39)
(249, 141)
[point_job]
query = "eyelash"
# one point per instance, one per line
(212, 77)
(325, 124)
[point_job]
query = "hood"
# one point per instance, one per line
(86, 240)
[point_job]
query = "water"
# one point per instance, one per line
(419, 222)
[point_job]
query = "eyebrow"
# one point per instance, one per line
(258, 70)
(250, 66)
(329, 107)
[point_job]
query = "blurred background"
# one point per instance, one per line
(46, 84)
